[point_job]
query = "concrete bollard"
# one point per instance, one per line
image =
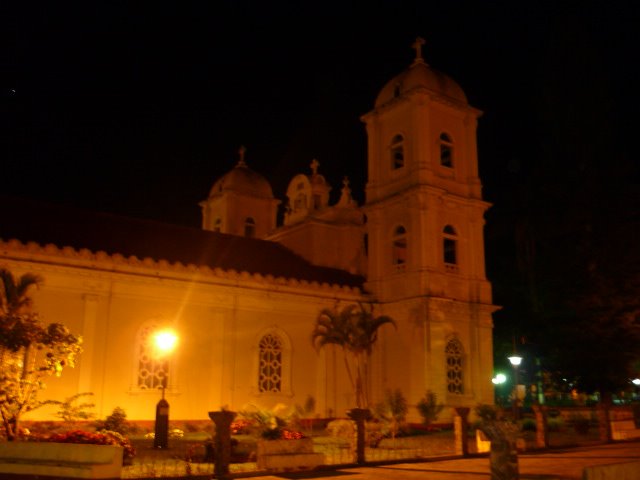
(223, 420)
(461, 427)
(542, 431)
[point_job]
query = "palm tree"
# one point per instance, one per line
(355, 330)
(16, 331)
(13, 294)
(14, 305)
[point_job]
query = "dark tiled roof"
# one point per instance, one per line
(28, 220)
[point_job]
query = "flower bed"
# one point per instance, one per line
(104, 437)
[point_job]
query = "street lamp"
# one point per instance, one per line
(636, 383)
(499, 380)
(515, 360)
(165, 342)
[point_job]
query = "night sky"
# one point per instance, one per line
(137, 110)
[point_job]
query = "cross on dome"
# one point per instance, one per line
(314, 166)
(241, 152)
(417, 46)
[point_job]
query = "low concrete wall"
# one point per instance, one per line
(616, 471)
(624, 430)
(288, 455)
(67, 460)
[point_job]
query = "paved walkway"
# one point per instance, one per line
(550, 465)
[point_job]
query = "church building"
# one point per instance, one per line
(243, 293)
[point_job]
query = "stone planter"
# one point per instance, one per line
(66, 460)
(287, 455)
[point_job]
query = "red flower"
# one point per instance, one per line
(287, 434)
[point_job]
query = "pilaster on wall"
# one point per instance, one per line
(86, 361)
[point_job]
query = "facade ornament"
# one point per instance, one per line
(345, 195)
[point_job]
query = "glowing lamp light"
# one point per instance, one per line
(165, 340)
(636, 382)
(499, 379)
(515, 360)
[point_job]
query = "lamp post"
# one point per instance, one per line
(165, 342)
(515, 361)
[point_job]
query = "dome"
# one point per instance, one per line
(421, 75)
(318, 180)
(241, 179)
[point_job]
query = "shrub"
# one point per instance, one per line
(191, 427)
(267, 424)
(342, 429)
(529, 425)
(554, 424)
(374, 433)
(429, 408)
(486, 413)
(309, 405)
(392, 411)
(71, 410)
(241, 426)
(116, 422)
(46, 428)
(580, 424)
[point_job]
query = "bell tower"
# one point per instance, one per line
(425, 220)
(423, 199)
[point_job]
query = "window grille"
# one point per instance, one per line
(270, 370)
(153, 373)
(454, 355)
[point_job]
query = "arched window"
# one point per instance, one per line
(446, 150)
(454, 353)
(217, 226)
(153, 372)
(399, 247)
(270, 365)
(397, 152)
(249, 227)
(450, 248)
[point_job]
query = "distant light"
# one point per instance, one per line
(499, 379)
(165, 340)
(636, 381)
(515, 360)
